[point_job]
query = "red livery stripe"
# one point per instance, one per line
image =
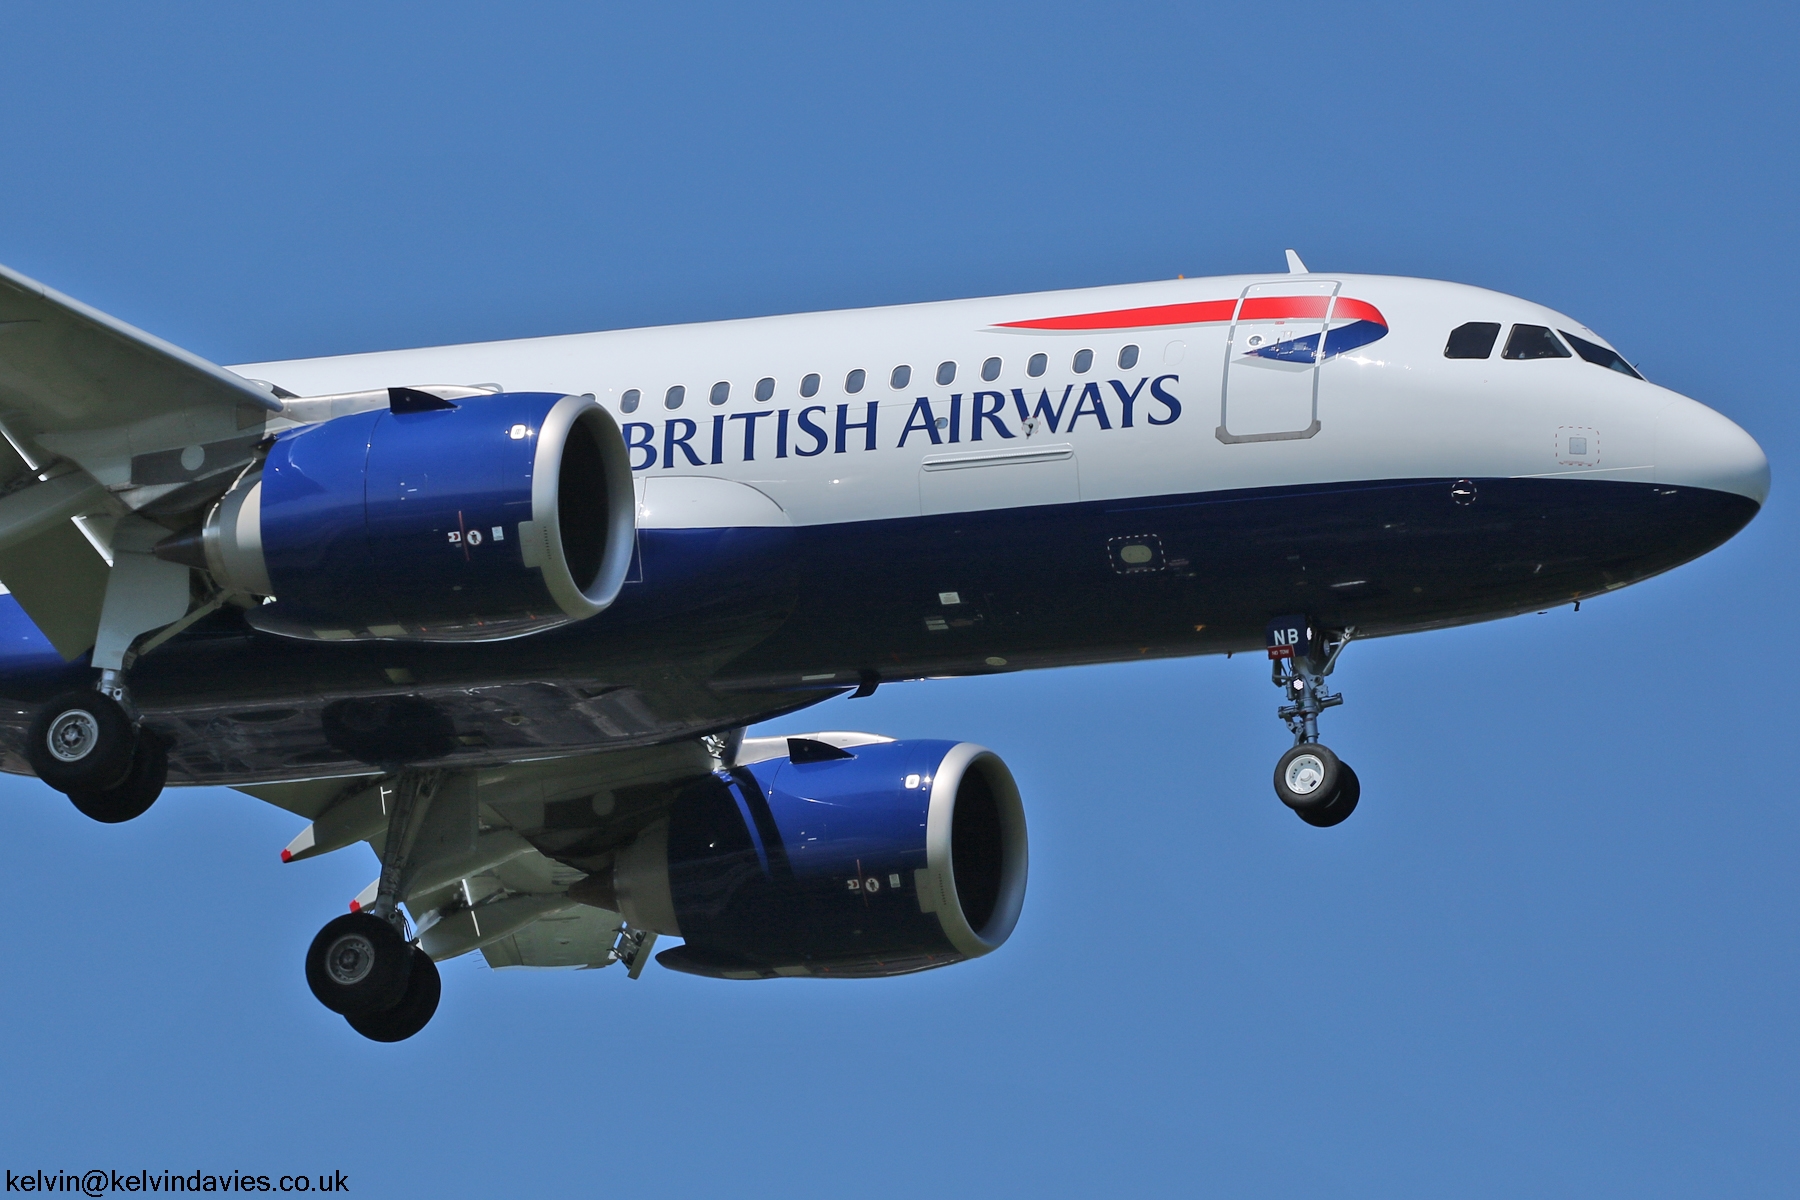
(1205, 312)
(1197, 313)
(1357, 310)
(1282, 308)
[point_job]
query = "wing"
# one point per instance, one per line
(94, 389)
(503, 847)
(577, 937)
(102, 421)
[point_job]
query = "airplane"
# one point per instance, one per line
(504, 611)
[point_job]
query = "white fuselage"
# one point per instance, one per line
(1394, 408)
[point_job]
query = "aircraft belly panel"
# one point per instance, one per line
(709, 641)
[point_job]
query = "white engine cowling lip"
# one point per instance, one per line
(621, 506)
(232, 537)
(954, 767)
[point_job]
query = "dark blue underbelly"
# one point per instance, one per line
(729, 627)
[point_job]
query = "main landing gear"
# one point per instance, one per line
(366, 965)
(1310, 779)
(362, 967)
(89, 746)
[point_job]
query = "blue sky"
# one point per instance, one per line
(1554, 952)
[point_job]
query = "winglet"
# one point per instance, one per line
(1295, 266)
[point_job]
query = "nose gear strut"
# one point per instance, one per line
(1310, 779)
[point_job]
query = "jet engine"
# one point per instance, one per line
(432, 521)
(872, 859)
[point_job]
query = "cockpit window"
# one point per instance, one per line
(1599, 355)
(1533, 341)
(1474, 340)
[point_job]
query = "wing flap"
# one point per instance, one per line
(542, 827)
(574, 937)
(59, 579)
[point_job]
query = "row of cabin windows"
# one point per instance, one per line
(901, 377)
(1476, 340)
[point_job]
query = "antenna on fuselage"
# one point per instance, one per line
(1295, 266)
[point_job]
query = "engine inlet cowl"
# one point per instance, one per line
(492, 518)
(886, 858)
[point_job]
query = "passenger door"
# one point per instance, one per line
(1272, 354)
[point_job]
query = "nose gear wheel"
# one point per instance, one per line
(1342, 805)
(1308, 777)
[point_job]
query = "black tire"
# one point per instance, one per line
(1341, 806)
(413, 1013)
(136, 792)
(358, 965)
(1307, 777)
(81, 741)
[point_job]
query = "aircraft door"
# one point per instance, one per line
(1272, 357)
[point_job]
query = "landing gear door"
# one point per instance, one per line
(1272, 358)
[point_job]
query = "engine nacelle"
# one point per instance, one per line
(879, 859)
(488, 519)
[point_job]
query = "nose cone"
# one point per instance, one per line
(1697, 447)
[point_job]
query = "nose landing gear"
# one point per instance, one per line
(1310, 779)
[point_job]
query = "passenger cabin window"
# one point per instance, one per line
(1038, 365)
(629, 401)
(1533, 341)
(990, 370)
(1473, 340)
(900, 378)
(765, 388)
(1084, 361)
(721, 392)
(674, 397)
(853, 382)
(809, 387)
(1599, 355)
(946, 373)
(1128, 358)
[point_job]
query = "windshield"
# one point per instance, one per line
(1600, 355)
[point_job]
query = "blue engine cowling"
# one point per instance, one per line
(482, 520)
(878, 859)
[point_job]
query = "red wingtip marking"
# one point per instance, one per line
(355, 907)
(286, 855)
